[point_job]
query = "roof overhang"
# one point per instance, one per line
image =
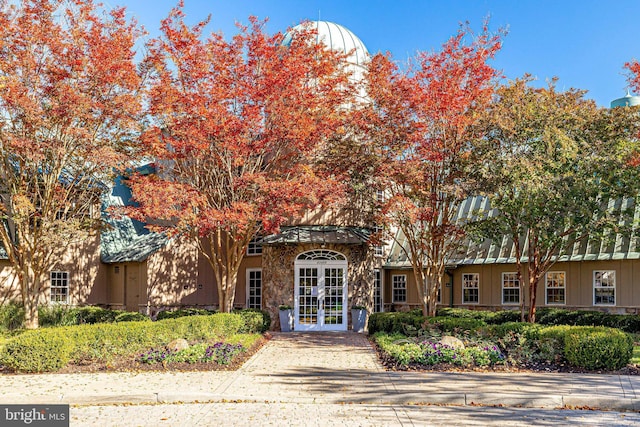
(317, 234)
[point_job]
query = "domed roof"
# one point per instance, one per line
(336, 37)
(626, 101)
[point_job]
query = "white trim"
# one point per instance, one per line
(254, 248)
(476, 280)
(63, 279)
(513, 280)
(321, 254)
(321, 260)
(602, 278)
(248, 272)
(379, 272)
(393, 287)
(546, 288)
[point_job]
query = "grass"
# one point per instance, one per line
(635, 359)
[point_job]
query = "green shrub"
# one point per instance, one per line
(37, 351)
(556, 316)
(463, 313)
(183, 312)
(394, 322)
(60, 315)
(628, 323)
(406, 350)
(598, 348)
(103, 341)
(454, 324)
(11, 317)
(529, 330)
(255, 320)
(130, 316)
(504, 316)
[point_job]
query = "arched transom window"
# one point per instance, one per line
(321, 254)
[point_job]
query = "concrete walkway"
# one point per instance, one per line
(328, 368)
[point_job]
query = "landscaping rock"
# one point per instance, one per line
(178, 344)
(452, 342)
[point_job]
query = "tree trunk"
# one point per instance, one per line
(30, 289)
(421, 287)
(533, 288)
(228, 294)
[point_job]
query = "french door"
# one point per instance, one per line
(320, 296)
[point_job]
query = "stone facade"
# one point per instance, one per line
(278, 275)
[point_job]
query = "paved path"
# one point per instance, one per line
(327, 368)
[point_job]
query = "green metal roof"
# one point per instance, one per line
(125, 239)
(614, 247)
(318, 234)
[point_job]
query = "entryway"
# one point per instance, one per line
(320, 291)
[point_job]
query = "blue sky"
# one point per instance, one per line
(584, 43)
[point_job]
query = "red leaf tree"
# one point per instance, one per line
(68, 101)
(422, 122)
(238, 129)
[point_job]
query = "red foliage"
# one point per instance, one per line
(239, 125)
(422, 122)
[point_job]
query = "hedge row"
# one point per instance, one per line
(12, 316)
(551, 316)
(50, 349)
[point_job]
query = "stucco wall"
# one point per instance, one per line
(87, 280)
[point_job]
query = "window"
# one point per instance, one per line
(254, 288)
(439, 296)
(254, 247)
(470, 288)
(380, 196)
(604, 287)
(399, 288)
(377, 291)
(378, 249)
(555, 287)
(510, 289)
(60, 287)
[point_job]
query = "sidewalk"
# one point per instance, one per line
(328, 368)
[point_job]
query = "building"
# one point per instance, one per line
(322, 264)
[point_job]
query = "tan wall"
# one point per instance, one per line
(87, 276)
(249, 262)
(9, 288)
(578, 293)
(171, 278)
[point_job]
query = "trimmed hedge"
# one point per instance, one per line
(555, 316)
(40, 350)
(488, 317)
(12, 316)
(452, 324)
(49, 349)
(551, 316)
(598, 348)
(256, 321)
(395, 322)
(183, 312)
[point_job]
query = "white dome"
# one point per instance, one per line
(336, 37)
